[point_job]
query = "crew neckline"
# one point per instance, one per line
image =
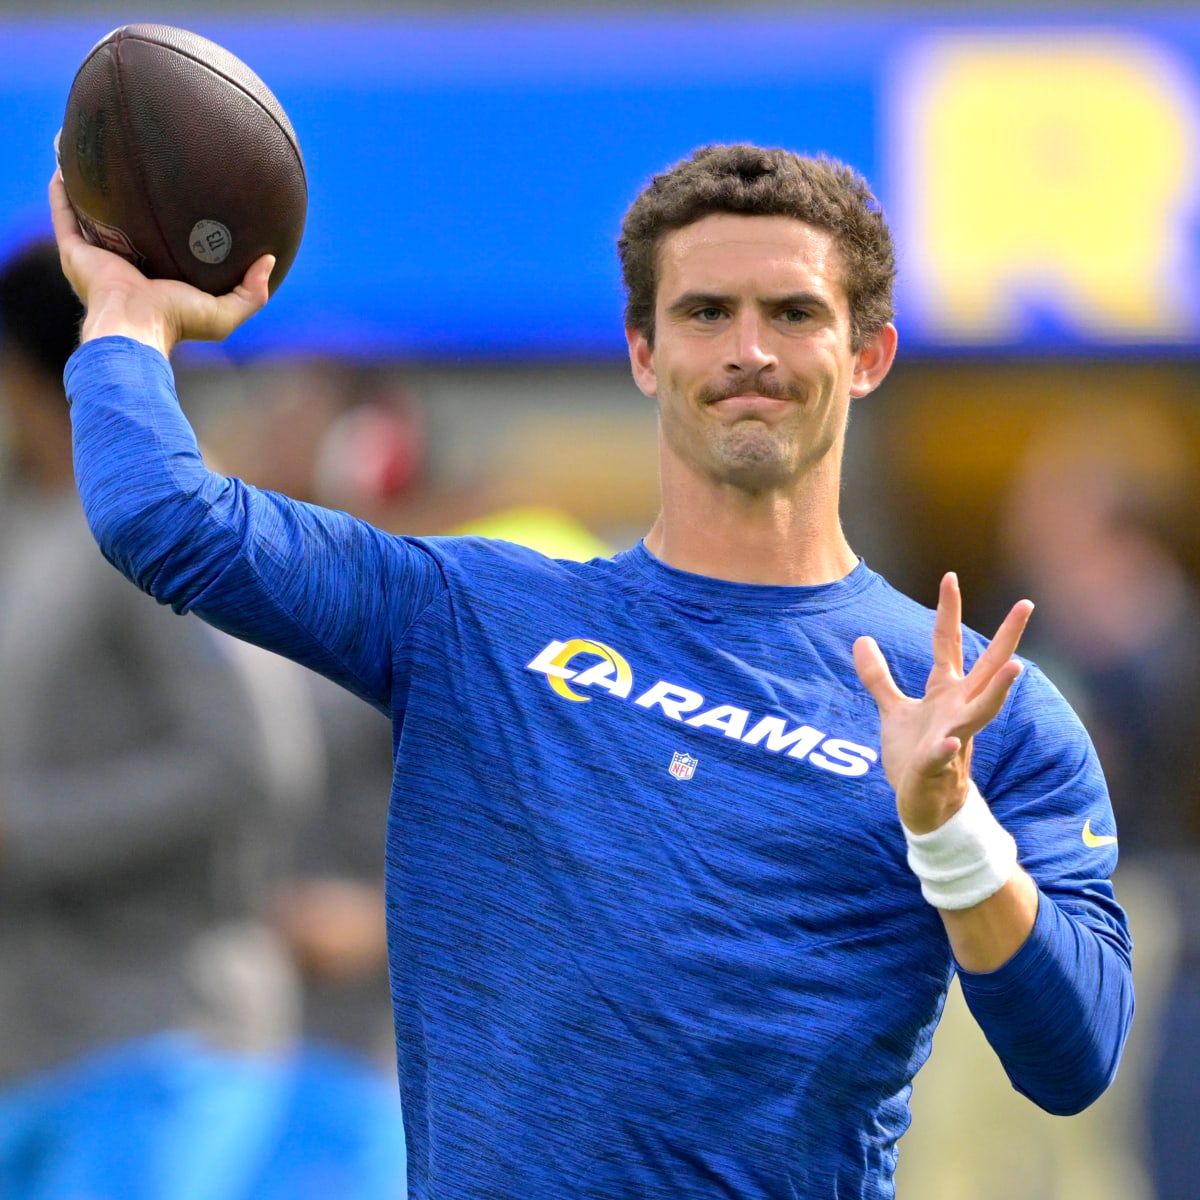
(671, 582)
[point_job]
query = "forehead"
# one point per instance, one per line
(728, 251)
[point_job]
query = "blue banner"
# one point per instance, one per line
(468, 174)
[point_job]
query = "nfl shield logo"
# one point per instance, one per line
(683, 766)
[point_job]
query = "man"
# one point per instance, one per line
(654, 929)
(144, 1000)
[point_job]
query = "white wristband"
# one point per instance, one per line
(964, 861)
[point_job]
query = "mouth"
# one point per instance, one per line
(748, 395)
(750, 404)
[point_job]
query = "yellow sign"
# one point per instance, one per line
(1048, 176)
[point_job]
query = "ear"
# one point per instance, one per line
(641, 359)
(874, 361)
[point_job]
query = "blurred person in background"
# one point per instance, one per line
(142, 999)
(1095, 523)
(1091, 525)
(152, 775)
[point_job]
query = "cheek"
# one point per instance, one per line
(674, 412)
(676, 398)
(679, 374)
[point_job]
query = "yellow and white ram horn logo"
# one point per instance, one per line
(611, 673)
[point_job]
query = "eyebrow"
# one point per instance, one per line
(694, 300)
(691, 300)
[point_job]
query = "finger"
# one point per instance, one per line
(986, 706)
(227, 312)
(947, 625)
(940, 755)
(67, 234)
(874, 674)
(258, 278)
(62, 215)
(1001, 648)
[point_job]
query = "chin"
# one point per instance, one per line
(747, 458)
(753, 475)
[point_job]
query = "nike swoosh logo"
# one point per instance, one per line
(1095, 840)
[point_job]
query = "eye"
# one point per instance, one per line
(793, 316)
(708, 314)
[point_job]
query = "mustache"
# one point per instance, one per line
(749, 385)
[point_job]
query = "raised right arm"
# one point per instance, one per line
(318, 586)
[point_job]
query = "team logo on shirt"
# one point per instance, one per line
(683, 766)
(580, 665)
(612, 668)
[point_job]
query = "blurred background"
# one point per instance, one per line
(447, 353)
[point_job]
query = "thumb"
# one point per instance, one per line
(874, 674)
(235, 308)
(255, 288)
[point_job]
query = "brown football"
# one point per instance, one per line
(176, 155)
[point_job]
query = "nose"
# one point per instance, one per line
(750, 348)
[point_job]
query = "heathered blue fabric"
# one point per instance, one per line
(611, 981)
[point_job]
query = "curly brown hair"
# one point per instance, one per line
(754, 181)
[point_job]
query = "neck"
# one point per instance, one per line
(789, 538)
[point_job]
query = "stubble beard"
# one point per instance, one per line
(753, 456)
(749, 455)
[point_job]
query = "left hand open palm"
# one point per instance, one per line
(926, 741)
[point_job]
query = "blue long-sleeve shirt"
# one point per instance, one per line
(652, 931)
